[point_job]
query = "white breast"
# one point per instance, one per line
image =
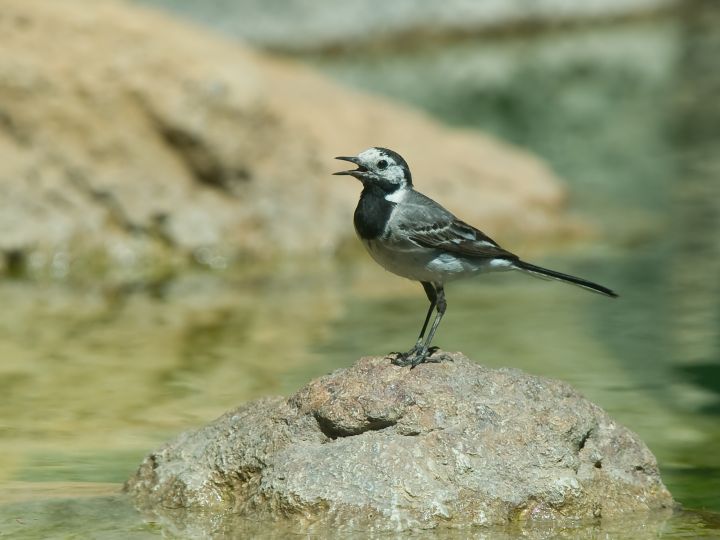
(421, 264)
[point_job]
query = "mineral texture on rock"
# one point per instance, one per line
(377, 447)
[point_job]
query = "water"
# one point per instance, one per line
(94, 375)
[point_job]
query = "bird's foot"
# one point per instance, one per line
(404, 358)
(416, 356)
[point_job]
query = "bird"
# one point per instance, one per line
(412, 236)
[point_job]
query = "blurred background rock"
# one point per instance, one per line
(307, 26)
(172, 243)
(142, 144)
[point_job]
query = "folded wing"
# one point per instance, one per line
(456, 236)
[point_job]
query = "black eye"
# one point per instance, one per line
(382, 164)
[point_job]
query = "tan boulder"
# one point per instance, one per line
(129, 139)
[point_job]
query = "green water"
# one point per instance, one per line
(95, 375)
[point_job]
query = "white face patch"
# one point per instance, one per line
(398, 195)
(393, 173)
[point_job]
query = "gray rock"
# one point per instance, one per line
(376, 447)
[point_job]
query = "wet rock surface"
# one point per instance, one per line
(379, 447)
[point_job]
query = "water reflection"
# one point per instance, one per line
(109, 515)
(694, 253)
(83, 364)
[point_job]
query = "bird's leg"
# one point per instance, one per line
(422, 355)
(432, 296)
(405, 359)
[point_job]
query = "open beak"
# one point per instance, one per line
(357, 173)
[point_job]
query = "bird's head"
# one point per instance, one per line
(380, 167)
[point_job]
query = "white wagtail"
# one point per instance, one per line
(412, 236)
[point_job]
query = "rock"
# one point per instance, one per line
(298, 26)
(378, 447)
(143, 141)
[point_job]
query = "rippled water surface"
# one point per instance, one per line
(96, 375)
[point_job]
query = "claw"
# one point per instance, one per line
(406, 358)
(403, 359)
(415, 357)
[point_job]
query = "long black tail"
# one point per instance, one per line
(545, 273)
